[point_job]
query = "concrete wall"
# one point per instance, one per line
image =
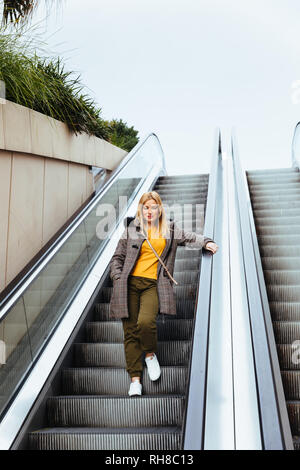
(44, 179)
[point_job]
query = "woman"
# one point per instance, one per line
(141, 286)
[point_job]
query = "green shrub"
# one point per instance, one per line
(43, 84)
(121, 135)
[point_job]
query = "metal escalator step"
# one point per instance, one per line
(278, 230)
(296, 442)
(96, 411)
(112, 354)
(281, 262)
(191, 226)
(187, 264)
(184, 310)
(282, 277)
(183, 254)
(291, 384)
(115, 381)
(182, 178)
(112, 332)
(270, 186)
(289, 356)
(276, 198)
(293, 408)
(282, 190)
(275, 205)
(281, 293)
(278, 240)
(181, 202)
(184, 292)
(272, 171)
(273, 179)
(277, 212)
(175, 189)
(196, 191)
(269, 251)
(277, 221)
(168, 438)
(286, 332)
(289, 311)
(179, 213)
(178, 201)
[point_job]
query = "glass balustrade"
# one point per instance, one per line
(26, 327)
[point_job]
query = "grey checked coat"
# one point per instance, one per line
(126, 255)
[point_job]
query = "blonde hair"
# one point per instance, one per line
(163, 227)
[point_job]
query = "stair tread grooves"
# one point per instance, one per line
(107, 430)
(119, 368)
(142, 398)
(113, 344)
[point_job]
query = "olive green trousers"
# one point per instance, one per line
(140, 334)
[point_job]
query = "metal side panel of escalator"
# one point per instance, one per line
(275, 203)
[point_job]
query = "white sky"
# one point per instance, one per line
(183, 68)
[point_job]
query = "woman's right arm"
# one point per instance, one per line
(118, 258)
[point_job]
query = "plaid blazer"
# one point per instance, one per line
(126, 255)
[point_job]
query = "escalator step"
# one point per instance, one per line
(184, 292)
(96, 411)
(273, 179)
(276, 198)
(112, 332)
(182, 179)
(285, 263)
(184, 309)
(271, 171)
(289, 356)
(277, 230)
(277, 212)
(286, 332)
(291, 384)
(293, 408)
(281, 190)
(106, 438)
(289, 311)
(282, 293)
(278, 240)
(269, 251)
(115, 381)
(112, 354)
(283, 276)
(277, 221)
(275, 205)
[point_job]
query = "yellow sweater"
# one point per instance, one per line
(146, 264)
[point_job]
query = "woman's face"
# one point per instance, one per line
(151, 211)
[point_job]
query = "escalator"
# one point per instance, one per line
(92, 409)
(63, 381)
(274, 198)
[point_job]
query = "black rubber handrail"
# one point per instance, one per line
(274, 422)
(195, 411)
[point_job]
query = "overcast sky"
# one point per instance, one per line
(183, 68)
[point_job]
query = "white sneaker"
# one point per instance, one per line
(135, 388)
(153, 367)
